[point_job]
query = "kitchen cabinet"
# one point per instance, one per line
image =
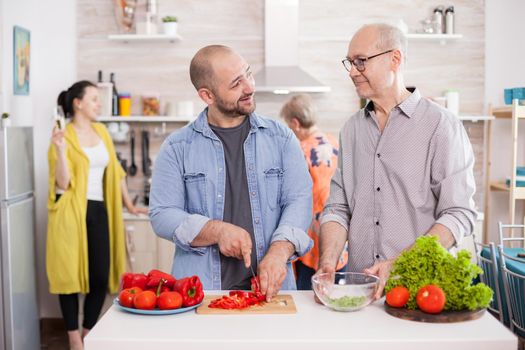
(313, 327)
(145, 250)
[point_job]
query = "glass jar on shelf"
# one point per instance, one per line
(150, 105)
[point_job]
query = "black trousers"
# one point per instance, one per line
(98, 258)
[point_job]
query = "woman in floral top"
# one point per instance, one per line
(320, 151)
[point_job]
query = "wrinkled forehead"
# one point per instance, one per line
(364, 43)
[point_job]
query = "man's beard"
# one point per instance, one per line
(234, 110)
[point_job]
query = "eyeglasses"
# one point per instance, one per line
(359, 63)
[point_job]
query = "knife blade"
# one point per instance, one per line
(255, 278)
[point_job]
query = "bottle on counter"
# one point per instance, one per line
(449, 20)
(105, 90)
(437, 20)
(114, 97)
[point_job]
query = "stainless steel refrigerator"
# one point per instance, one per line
(19, 321)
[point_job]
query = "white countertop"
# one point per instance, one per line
(313, 327)
(131, 217)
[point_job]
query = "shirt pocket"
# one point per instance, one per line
(274, 179)
(195, 188)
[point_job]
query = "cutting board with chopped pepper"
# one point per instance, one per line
(280, 304)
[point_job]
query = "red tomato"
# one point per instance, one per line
(126, 297)
(397, 296)
(169, 300)
(431, 299)
(145, 300)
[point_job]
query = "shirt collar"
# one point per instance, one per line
(408, 106)
(201, 123)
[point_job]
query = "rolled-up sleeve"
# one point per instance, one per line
(296, 199)
(336, 208)
(452, 181)
(166, 208)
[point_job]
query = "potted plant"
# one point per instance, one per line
(169, 24)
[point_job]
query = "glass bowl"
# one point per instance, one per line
(345, 291)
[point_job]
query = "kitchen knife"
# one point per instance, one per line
(255, 278)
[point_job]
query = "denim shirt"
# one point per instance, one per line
(188, 187)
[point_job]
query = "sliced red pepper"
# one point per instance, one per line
(240, 293)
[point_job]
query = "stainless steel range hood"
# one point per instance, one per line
(281, 73)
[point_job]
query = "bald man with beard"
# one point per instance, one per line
(231, 190)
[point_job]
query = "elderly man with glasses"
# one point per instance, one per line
(405, 165)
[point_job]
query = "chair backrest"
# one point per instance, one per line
(507, 240)
(514, 291)
(487, 260)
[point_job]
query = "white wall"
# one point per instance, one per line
(53, 67)
(504, 68)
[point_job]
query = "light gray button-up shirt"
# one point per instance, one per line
(392, 187)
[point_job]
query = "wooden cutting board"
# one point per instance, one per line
(281, 304)
(442, 317)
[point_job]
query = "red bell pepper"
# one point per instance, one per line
(125, 281)
(139, 280)
(191, 290)
(155, 276)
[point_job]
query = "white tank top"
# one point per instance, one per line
(98, 160)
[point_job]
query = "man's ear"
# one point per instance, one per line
(206, 95)
(397, 59)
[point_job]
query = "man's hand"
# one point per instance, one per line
(235, 242)
(272, 269)
(382, 270)
(329, 269)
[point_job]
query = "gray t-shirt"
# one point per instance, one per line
(237, 208)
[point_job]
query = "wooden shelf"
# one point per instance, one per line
(147, 119)
(475, 118)
(138, 37)
(422, 36)
(502, 186)
(499, 186)
(505, 112)
(502, 112)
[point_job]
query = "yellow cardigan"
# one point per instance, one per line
(67, 254)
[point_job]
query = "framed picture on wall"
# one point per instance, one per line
(21, 60)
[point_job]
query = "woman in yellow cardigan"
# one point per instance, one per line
(85, 235)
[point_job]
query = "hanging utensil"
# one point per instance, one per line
(146, 161)
(132, 171)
